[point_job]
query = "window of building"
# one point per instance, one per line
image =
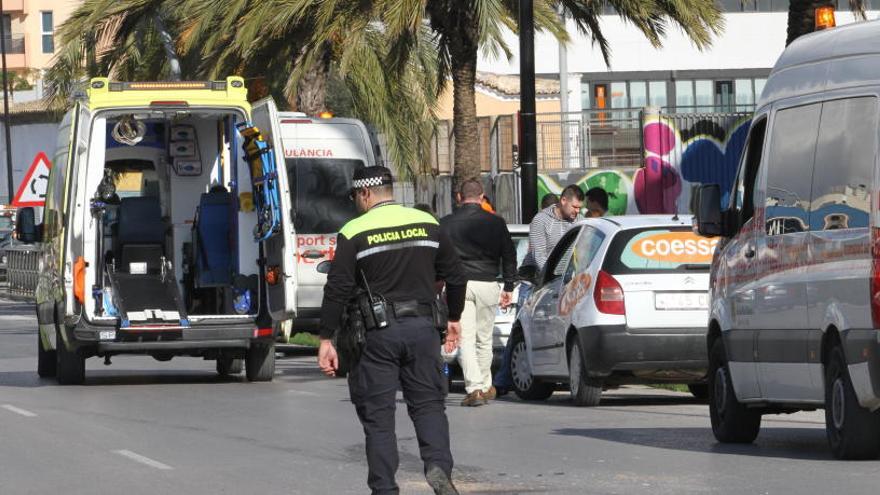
(730, 5)
(7, 25)
(585, 96)
(638, 94)
(745, 94)
(684, 95)
(844, 165)
(789, 172)
(48, 31)
(759, 87)
(704, 93)
(619, 98)
(723, 96)
(657, 93)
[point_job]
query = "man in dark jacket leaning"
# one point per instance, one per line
(483, 244)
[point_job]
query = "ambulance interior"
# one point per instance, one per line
(170, 220)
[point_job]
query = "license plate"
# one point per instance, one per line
(666, 301)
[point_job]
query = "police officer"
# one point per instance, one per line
(398, 254)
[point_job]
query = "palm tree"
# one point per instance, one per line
(463, 27)
(801, 15)
(147, 39)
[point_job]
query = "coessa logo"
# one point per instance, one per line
(675, 247)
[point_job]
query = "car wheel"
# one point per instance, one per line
(227, 366)
(585, 391)
(525, 385)
(47, 363)
(260, 362)
(732, 422)
(70, 364)
(699, 390)
(853, 431)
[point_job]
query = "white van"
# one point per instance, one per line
(795, 312)
(321, 155)
(166, 229)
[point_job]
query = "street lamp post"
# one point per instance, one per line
(9, 185)
(528, 146)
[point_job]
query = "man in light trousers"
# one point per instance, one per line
(484, 245)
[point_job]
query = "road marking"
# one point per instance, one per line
(18, 410)
(143, 460)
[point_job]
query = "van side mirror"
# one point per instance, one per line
(26, 229)
(708, 212)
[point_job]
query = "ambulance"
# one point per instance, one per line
(167, 229)
(320, 155)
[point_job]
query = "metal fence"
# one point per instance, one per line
(22, 269)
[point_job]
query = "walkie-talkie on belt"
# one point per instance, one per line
(378, 307)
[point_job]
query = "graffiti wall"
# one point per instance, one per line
(681, 151)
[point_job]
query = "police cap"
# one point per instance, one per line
(371, 177)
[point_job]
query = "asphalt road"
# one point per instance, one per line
(145, 427)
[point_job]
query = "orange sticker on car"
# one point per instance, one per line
(573, 292)
(675, 247)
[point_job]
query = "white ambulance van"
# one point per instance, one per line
(794, 322)
(320, 154)
(167, 229)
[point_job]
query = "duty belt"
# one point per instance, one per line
(410, 308)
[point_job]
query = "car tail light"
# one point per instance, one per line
(875, 276)
(608, 295)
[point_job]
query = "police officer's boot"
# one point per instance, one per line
(439, 481)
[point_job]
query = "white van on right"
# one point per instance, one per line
(794, 322)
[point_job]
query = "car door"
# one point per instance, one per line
(738, 267)
(781, 283)
(279, 250)
(548, 340)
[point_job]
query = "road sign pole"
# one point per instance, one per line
(9, 185)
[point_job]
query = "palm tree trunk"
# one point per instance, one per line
(311, 93)
(801, 17)
(464, 112)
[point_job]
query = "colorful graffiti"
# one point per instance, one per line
(681, 151)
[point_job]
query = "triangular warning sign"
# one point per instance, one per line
(32, 191)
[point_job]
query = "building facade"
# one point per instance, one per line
(29, 27)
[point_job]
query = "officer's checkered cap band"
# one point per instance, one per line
(368, 182)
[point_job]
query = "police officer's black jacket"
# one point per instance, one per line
(401, 252)
(481, 240)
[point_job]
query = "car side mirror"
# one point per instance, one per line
(708, 212)
(26, 229)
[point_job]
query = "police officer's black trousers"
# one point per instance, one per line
(405, 354)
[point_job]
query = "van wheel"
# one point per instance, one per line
(853, 431)
(260, 362)
(46, 360)
(732, 422)
(227, 366)
(699, 390)
(585, 391)
(71, 365)
(524, 384)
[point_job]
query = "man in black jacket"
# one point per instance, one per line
(483, 244)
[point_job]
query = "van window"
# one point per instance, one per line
(789, 169)
(745, 183)
(134, 178)
(659, 250)
(320, 188)
(844, 167)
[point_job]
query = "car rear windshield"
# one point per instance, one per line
(320, 189)
(659, 250)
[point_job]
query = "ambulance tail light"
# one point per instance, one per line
(273, 275)
(79, 280)
(608, 295)
(875, 277)
(825, 18)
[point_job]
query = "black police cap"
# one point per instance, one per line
(371, 177)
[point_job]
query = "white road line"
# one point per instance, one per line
(18, 410)
(143, 460)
